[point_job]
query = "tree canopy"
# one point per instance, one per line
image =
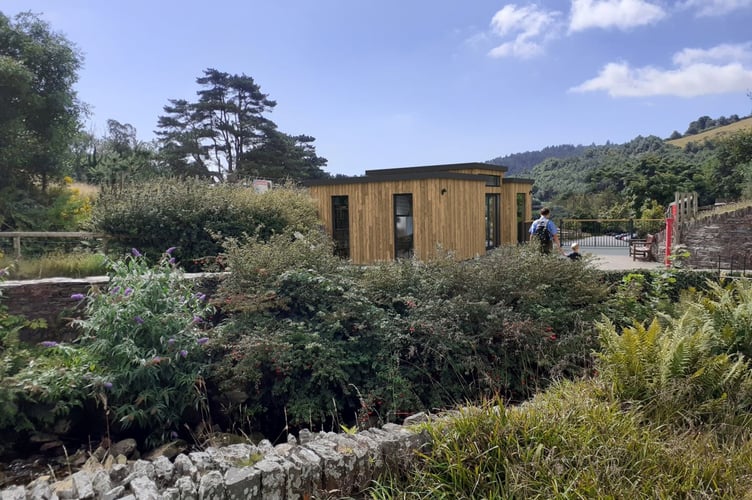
(39, 110)
(226, 134)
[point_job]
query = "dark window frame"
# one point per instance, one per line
(341, 233)
(404, 245)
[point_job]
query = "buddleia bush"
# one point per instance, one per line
(148, 331)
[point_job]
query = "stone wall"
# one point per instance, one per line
(720, 240)
(324, 465)
(50, 299)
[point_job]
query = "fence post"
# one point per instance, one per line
(17, 246)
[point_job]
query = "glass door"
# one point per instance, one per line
(403, 226)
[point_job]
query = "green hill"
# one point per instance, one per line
(713, 133)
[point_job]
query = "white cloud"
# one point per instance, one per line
(528, 26)
(622, 14)
(719, 70)
(716, 7)
(718, 54)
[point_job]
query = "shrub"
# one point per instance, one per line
(301, 356)
(147, 330)
(388, 339)
(560, 292)
(39, 384)
(256, 263)
(196, 216)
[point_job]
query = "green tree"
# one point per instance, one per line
(733, 168)
(226, 133)
(39, 110)
(181, 136)
(119, 155)
(282, 155)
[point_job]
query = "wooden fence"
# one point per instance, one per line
(17, 236)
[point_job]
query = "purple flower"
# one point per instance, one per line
(107, 385)
(48, 343)
(135, 252)
(170, 341)
(183, 353)
(171, 261)
(201, 296)
(4, 271)
(115, 290)
(78, 296)
(174, 435)
(197, 319)
(202, 340)
(170, 250)
(156, 359)
(139, 320)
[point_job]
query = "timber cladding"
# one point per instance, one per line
(448, 209)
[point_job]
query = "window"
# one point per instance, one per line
(403, 226)
(492, 221)
(493, 180)
(341, 226)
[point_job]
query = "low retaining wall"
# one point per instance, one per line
(49, 299)
(324, 465)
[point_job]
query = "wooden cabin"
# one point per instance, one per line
(464, 208)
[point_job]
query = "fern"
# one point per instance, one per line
(692, 366)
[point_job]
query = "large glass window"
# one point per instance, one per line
(403, 226)
(492, 221)
(341, 226)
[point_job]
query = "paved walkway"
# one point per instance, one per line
(611, 259)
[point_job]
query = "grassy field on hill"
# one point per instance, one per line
(744, 124)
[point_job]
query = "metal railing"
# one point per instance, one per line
(603, 232)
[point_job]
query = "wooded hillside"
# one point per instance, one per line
(642, 175)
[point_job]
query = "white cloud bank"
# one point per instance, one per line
(527, 28)
(716, 7)
(529, 25)
(606, 14)
(719, 70)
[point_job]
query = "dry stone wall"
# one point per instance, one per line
(324, 465)
(720, 240)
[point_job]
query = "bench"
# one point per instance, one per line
(642, 248)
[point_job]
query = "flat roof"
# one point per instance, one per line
(394, 177)
(437, 168)
(521, 180)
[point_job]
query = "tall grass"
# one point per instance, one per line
(571, 442)
(55, 266)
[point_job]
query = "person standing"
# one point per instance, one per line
(544, 232)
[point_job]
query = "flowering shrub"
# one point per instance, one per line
(39, 384)
(148, 331)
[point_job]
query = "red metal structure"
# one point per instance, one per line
(670, 218)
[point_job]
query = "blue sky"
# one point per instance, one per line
(395, 83)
